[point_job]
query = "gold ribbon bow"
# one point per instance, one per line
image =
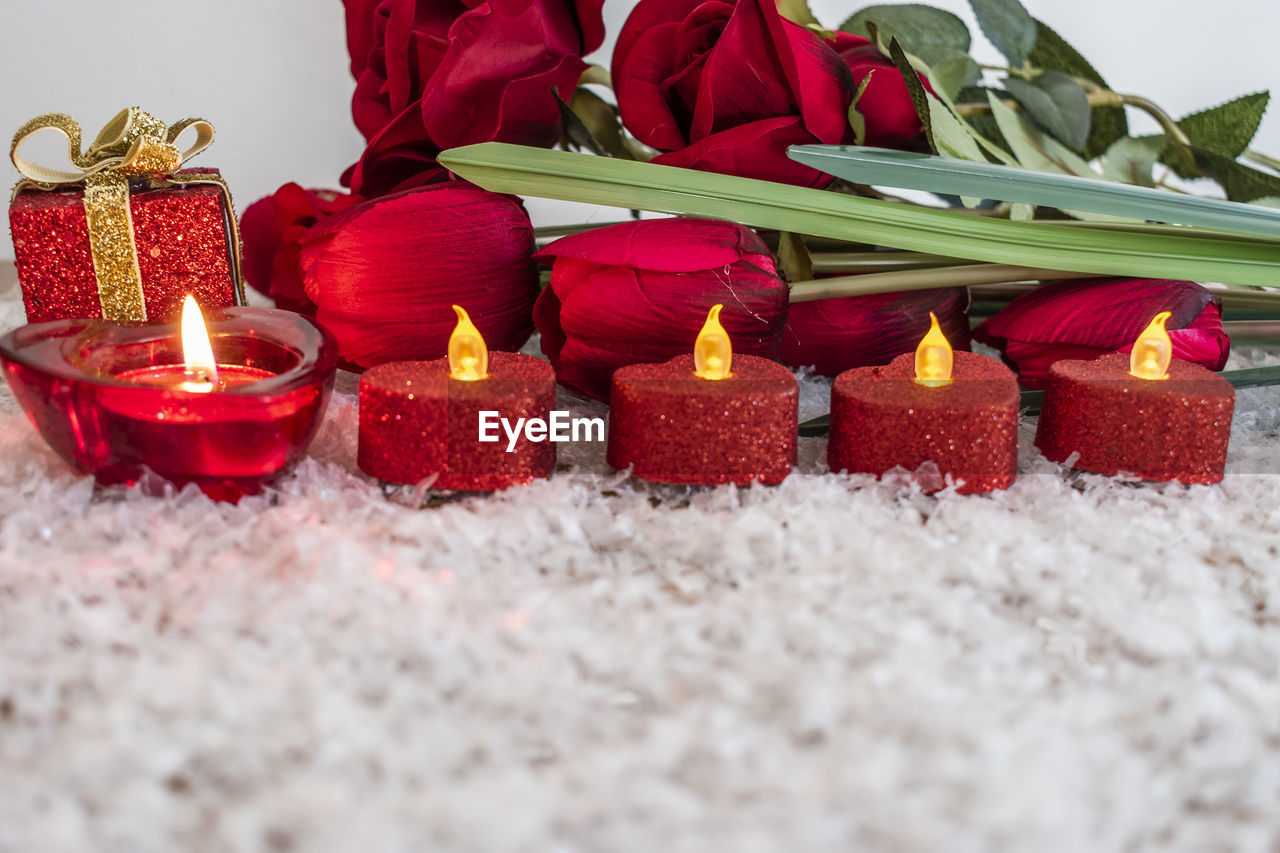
(133, 144)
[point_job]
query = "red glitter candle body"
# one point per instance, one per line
(1107, 421)
(882, 418)
(417, 421)
(670, 426)
(184, 246)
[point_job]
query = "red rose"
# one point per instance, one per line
(452, 74)
(1087, 318)
(272, 230)
(727, 86)
(892, 120)
(833, 335)
(640, 291)
(383, 274)
(396, 159)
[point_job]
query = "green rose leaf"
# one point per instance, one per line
(798, 12)
(1229, 128)
(1009, 26)
(1226, 130)
(793, 257)
(945, 118)
(954, 74)
(981, 120)
(601, 119)
(954, 140)
(934, 35)
(1240, 182)
(1052, 53)
(919, 95)
(949, 133)
(575, 134)
(1057, 103)
(1130, 160)
(1035, 150)
(857, 121)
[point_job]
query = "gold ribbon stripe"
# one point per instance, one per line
(133, 144)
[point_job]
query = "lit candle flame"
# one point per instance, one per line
(934, 357)
(468, 355)
(712, 351)
(197, 351)
(1153, 351)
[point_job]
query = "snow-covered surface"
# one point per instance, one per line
(593, 664)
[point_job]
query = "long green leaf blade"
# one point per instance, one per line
(908, 170)
(763, 204)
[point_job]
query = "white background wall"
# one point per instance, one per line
(272, 74)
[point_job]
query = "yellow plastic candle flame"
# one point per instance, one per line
(468, 355)
(197, 351)
(712, 352)
(934, 357)
(1153, 351)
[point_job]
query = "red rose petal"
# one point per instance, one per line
(641, 87)
(727, 87)
(640, 291)
(1092, 317)
(833, 335)
(384, 274)
(757, 150)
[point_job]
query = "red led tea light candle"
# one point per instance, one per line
(1145, 414)
(706, 418)
(119, 401)
(421, 419)
(957, 410)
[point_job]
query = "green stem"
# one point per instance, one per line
(1249, 300)
(552, 232)
(1252, 331)
(849, 262)
(921, 279)
(1100, 97)
(1262, 159)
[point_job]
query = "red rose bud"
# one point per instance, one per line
(639, 292)
(476, 72)
(891, 117)
(727, 86)
(1088, 318)
(383, 274)
(833, 335)
(271, 230)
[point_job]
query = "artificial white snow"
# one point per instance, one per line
(588, 663)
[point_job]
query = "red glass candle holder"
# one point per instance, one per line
(110, 401)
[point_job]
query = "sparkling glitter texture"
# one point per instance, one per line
(882, 419)
(416, 422)
(1172, 429)
(184, 245)
(669, 426)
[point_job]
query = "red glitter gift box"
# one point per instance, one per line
(128, 236)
